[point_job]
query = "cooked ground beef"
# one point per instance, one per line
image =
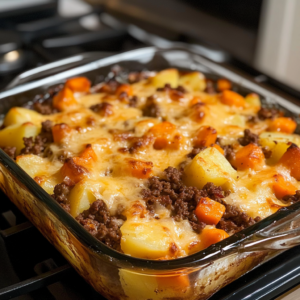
(268, 113)
(248, 138)
(195, 151)
(133, 101)
(267, 152)
(292, 198)
(105, 109)
(38, 145)
(182, 200)
(210, 87)
(61, 193)
(151, 108)
(98, 221)
(168, 87)
(45, 108)
(10, 151)
(235, 220)
(228, 152)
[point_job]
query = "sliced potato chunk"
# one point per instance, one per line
(209, 166)
(145, 239)
(12, 136)
(194, 81)
(20, 115)
(81, 197)
(169, 76)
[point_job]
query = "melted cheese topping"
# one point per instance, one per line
(109, 177)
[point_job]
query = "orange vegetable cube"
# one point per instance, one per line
(60, 131)
(174, 282)
(139, 169)
(88, 154)
(124, 88)
(195, 100)
(78, 84)
(223, 84)
(73, 169)
(232, 98)
(165, 136)
(281, 187)
(205, 136)
(64, 99)
(218, 148)
(249, 157)
(291, 160)
(209, 211)
(212, 236)
(286, 125)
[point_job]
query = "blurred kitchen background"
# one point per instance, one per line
(259, 37)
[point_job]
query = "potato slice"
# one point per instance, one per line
(194, 81)
(20, 115)
(209, 166)
(253, 99)
(170, 76)
(145, 239)
(81, 197)
(12, 136)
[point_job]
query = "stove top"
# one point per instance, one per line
(30, 267)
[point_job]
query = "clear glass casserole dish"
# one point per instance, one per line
(113, 274)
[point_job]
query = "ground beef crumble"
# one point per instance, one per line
(151, 108)
(10, 151)
(38, 144)
(292, 198)
(195, 151)
(61, 193)
(268, 113)
(99, 222)
(248, 138)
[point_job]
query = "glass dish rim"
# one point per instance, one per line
(195, 260)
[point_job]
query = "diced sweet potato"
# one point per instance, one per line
(20, 115)
(291, 160)
(73, 169)
(286, 125)
(64, 99)
(249, 157)
(282, 187)
(205, 136)
(124, 88)
(170, 76)
(166, 136)
(194, 81)
(12, 136)
(232, 98)
(60, 132)
(209, 166)
(88, 154)
(138, 168)
(223, 84)
(209, 211)
(78, 84)
(212, 236)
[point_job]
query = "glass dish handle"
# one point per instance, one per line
(56, 67)
(281, 235)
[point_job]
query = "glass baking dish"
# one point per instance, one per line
(113, 274)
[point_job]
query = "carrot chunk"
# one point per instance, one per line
(124, 88)
(88, 154)
(291, 160)
(250, 156)
(174, 282)
(60, 131)
(281, 187)
(286, 125)
(218, 148)
(209, 211)
(166, 136)
(205, 136)
(73, 169)
(139, 169)
(224, 84)
(64, 99)
(78, 84)
(212, 236)
(232, 98)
